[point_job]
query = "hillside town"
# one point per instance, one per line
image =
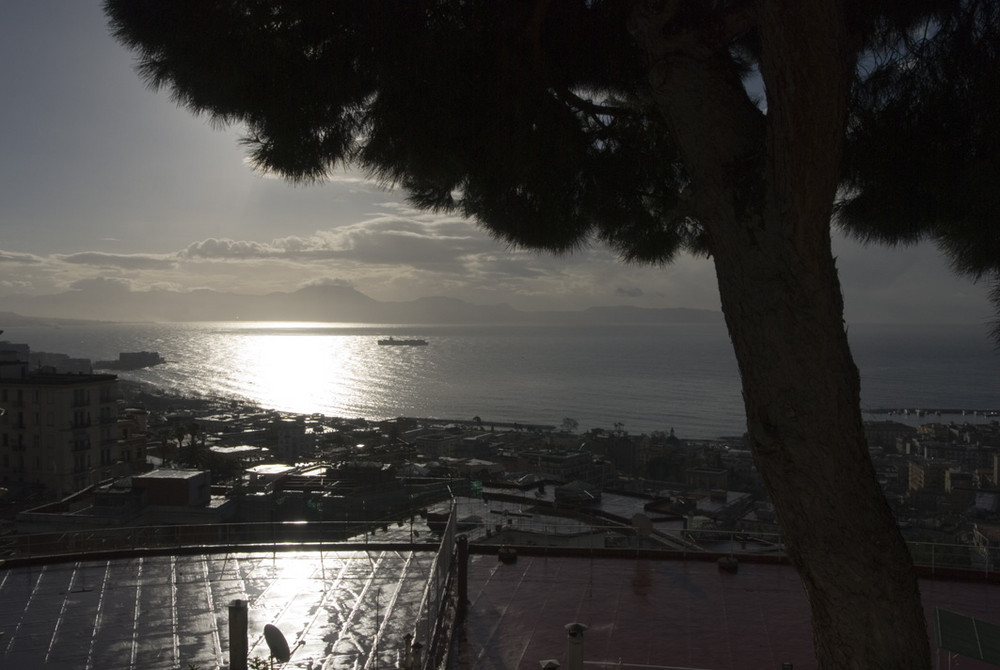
(85, 450)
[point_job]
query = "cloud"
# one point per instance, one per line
(328, 281)
(13, 257)
(105, 284)
(123, 261)
(515, 265)
(392, 252)
(379, 240)
(225, 248)
(15, 286)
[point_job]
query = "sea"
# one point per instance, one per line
(641, 378)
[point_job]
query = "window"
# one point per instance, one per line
(81, 397)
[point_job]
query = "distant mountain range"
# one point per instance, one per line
(327, 303)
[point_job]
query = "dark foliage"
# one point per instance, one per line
(535, 124)
(922, 155)
(535, 118)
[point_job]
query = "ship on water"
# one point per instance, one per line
(391, 341)
(132, 360)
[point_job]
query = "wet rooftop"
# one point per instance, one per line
(349, 606)
(350, 609)
(172, 611)
(649, 613)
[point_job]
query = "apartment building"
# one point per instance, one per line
(59, 431)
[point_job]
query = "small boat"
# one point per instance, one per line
(392, 341)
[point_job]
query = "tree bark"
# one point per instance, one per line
(802, 397)
(763, 186)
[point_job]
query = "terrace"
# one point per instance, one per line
(159, 598)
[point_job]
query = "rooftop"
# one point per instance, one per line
(659, 613)
(170, 611)
(170, 473)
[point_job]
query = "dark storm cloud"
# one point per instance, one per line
(633, 292)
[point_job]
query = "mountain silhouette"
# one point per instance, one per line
(320, 303)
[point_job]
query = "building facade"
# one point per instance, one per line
(60, 431)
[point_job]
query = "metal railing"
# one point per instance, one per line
(936, 559)
(198, 537)
(429, 632)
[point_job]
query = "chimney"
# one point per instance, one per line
(407, 656)
(575, 656)
(238, 625)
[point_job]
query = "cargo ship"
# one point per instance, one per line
(393, 342)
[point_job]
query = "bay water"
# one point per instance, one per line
(646, 377)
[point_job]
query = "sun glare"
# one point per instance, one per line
(306, 370)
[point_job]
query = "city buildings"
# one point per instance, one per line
(61, 432)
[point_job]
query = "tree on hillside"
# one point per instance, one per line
(555, 123)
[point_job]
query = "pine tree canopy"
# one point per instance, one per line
(922, 152)
(535, 117)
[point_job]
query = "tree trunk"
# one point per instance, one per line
(763, 187)
(802, 396)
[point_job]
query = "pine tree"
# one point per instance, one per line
(557, 123)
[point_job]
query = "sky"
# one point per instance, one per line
(104, 180)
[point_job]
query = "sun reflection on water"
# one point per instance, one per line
(298, 369)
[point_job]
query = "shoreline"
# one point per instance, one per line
(158, 399)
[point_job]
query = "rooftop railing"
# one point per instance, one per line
(933, 559)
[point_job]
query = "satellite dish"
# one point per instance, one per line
(276, 643)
